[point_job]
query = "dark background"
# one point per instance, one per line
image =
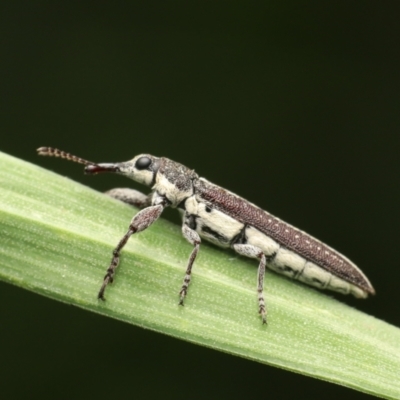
(295, 106)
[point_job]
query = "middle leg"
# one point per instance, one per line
(193, 238)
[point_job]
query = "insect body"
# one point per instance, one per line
(227, 220)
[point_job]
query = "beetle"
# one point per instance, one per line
(227, 220)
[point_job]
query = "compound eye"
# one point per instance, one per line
(143, 163)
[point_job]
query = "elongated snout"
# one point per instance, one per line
(97, 168)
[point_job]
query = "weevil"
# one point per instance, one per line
(227, 220)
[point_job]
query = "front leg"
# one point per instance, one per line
(140, 222)
(249, 250)
(130, 196)
(193, 238)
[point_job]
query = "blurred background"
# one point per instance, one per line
(293, 106)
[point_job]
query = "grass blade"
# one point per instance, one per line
(56, 240)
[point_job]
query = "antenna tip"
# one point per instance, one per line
(42, 151)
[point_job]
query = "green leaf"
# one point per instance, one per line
(56, 240)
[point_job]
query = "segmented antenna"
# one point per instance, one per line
(52, 152)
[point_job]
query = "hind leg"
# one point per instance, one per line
(251, 251)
